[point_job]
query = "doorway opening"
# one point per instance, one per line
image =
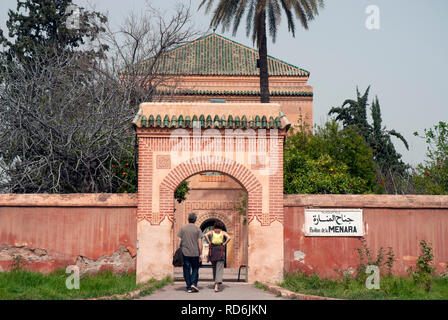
(215, 196)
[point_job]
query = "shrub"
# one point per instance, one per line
(180, 194)
(383, 260)
(431, 177)
(332, 161)
(18, 263)
(423, 272)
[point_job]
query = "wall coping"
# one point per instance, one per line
(365, 201)
(69, 200)
(290, 200)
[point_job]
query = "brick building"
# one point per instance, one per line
(216, 69)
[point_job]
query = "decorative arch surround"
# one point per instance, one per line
(197, 165)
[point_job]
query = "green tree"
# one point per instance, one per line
(333, 160)
(384, 151)
(260, 14)
(431, 176)
(38, 26)
(353, 113)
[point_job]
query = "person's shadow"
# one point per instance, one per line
(222, 287)
(210, 287)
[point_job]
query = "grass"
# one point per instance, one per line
(391, 288)
(260, 285)
(158, 285)
(30, 285)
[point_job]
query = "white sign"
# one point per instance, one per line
(334, 223)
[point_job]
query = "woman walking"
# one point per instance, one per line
(217, 240)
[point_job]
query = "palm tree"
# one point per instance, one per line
(228, 11)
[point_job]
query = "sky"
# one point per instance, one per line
(405, 61)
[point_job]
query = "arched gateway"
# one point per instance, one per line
(179, 140)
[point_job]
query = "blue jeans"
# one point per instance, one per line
(191, 271)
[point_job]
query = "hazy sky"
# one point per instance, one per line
(405, 61)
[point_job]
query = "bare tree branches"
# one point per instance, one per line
(65, 121)
(137, 47)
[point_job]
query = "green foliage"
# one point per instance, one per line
(18, 263)
(53, 117)
(333, 160)
(180, 193)
(156, 286)
(260, 285)
(384, 150)
(382, 260)
(31, 285)
(125, 173)
(423, 272)
(353, 113)
(40, 25)
(392, 288)
(242, 207)
(431, 177)
(258, 11)
(390, 260)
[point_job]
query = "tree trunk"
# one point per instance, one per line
(263, 53)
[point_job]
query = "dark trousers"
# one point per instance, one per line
(191, 271)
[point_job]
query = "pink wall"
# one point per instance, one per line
(63, 227)
(54, 230)
(393, 221)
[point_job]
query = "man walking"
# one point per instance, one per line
(191, 242)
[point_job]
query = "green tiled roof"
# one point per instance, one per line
(209, 121)
(216, 55)
(302, 93)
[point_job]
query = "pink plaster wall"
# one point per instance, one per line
(64, 227)
(393, 221)
(94, 226)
